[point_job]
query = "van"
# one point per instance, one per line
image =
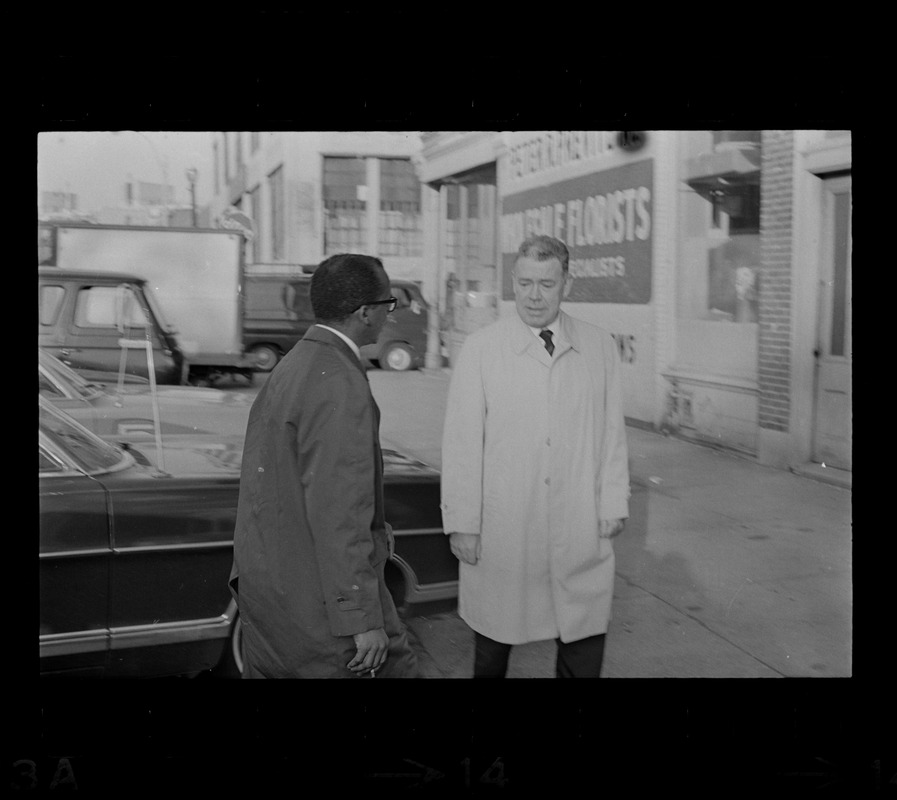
(84, 316)
(278, 313)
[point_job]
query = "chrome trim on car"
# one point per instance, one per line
(63, 644)
(413, 531)
(446, 590)
(94, 551)
(156, 634)
(415, 592)
(157, 548)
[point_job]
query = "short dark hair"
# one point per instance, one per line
(344, 282)
(544, 248)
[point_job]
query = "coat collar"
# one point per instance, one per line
(522, 336)
(322, 335)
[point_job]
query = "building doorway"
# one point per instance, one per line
(832, 430)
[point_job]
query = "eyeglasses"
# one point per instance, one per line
(393, 302)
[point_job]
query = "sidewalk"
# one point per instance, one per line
(726, 568)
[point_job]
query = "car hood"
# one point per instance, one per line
(194, 455)
(191, 455)
(182, 410)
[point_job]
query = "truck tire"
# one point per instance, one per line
(266, 357)
(397, 356)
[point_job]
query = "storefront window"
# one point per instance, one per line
(721, 226)
(719, 257)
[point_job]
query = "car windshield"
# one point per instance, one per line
(88, 451)
(66, 376)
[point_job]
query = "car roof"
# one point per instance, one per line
(87, 274)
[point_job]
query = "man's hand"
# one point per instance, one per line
(371, 647)
(465, 546)
(608, 528)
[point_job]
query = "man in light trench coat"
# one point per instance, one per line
(535, 474)
(311, 541)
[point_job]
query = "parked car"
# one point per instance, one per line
(127, 413)
(278, 313)
(134, 560)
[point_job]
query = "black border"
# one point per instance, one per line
(663, 734)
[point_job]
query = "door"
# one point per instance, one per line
(832, 436)
(74, 572)
(172, 556)
(102, 316)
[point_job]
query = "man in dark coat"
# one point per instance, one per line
(311, 541)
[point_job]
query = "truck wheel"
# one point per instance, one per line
(397, 356)
(266, 357)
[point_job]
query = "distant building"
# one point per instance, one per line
(312, 194)
(62, 206)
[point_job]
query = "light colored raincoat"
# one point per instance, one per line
(534, 454)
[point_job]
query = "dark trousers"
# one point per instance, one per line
(579, 659)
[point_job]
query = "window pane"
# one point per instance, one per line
(255, 211)
(275, 183)
(719, 226)
(99, 307)
(91, 452)
(345, 213)
(45, 464)
(46, 387)
(401, 231)
(402, 296)
(50, 301)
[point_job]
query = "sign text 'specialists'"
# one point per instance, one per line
(605, 219)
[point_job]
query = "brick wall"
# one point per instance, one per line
(775, 308)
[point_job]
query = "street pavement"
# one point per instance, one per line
(726, 569)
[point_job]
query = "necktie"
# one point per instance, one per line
(546, 337)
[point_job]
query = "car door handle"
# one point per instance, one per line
(66, 351)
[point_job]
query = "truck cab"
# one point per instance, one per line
(83, 318)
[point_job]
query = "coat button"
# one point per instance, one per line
(548, 481)
(261, 469)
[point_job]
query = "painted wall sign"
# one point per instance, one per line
(606, 220)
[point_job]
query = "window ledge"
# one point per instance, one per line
(728, 382)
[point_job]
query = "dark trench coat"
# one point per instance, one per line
(311, 541)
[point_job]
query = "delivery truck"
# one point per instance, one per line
(195, 274)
